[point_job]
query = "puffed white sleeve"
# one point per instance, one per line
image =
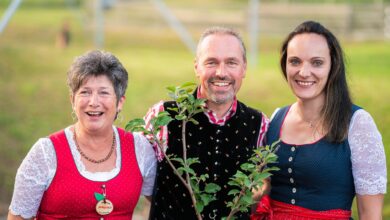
(367, 155)
(32, 178)
(147, 162)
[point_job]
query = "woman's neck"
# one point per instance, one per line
(309, 111)
(93, 139)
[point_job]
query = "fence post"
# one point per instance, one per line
(386, 22)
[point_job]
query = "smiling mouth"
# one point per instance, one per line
(305, 83)
(94, 113)
(221, 84)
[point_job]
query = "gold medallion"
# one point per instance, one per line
(104, 207)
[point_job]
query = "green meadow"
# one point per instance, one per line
(34, 98)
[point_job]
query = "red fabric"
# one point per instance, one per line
(71, 196)
(269, 209)
(212, 116)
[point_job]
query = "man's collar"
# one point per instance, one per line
(212, 116)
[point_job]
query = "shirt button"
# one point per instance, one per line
(290, 159)
(294, 190)
(216, 152)
(291, 180)
(293, 201)
(289, 170)
(292, 149)
(216, 163)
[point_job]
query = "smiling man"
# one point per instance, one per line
(227, 132)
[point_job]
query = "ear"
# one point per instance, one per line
(121, 102)
(196, 65)
(244, 70)
(71, 98)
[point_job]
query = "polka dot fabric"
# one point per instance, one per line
(221, 150)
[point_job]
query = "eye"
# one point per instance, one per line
(84, 92)
(232, 63)
(317, 63)
(294, 61)
(210, 63)
(104, 93)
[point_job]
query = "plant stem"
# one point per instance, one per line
(186, 181)
(184, 142)
(171, 164)
(235, 209)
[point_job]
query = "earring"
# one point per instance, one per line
(73, 115)
(119, 116)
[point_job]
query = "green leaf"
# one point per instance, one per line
(263, 176)
(234, 183)
(135, 123)
(163, 121)
(247, 199)
(203, 177)
(180, 117)
(171, 88)
(181, 99)
(178, 159)
(195, 122)
(207, 198)
(138, 129)
(189, 170)
(199, 207)
(172, 95)
(173, 109)
(212, 188)
(233, 192)
(192, 160)
(99, 196)
(187, 84)
(247, 182)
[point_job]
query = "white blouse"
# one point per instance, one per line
(367, 154)
(37, 171)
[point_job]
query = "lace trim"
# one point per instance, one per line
(367, 155)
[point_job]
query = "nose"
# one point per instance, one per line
(221, 71)
(94, 100)
(305, 70)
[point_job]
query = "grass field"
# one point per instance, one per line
(34, 98)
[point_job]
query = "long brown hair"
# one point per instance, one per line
(337, 109)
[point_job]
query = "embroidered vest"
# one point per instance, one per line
(315, 176)
(220, 149)
(71, 196)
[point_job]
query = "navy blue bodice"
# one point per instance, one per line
(316, 176)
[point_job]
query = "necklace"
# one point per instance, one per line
(311, 124)
(90, 159)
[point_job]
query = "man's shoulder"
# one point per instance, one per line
(248, 110)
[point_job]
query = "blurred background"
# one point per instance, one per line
(155, 40)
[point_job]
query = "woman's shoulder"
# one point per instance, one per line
(280, 110)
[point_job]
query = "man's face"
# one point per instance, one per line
(220, 67)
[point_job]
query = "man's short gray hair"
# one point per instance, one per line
(222, 31)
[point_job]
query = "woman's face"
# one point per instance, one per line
(307, 66)
(95, 104)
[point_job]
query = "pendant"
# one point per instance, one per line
(104, 207)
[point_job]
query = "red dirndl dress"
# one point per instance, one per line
(269, 209)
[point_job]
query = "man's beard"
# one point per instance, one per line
(220, 97)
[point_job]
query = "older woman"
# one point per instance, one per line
(91, 169)
(330, 150)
